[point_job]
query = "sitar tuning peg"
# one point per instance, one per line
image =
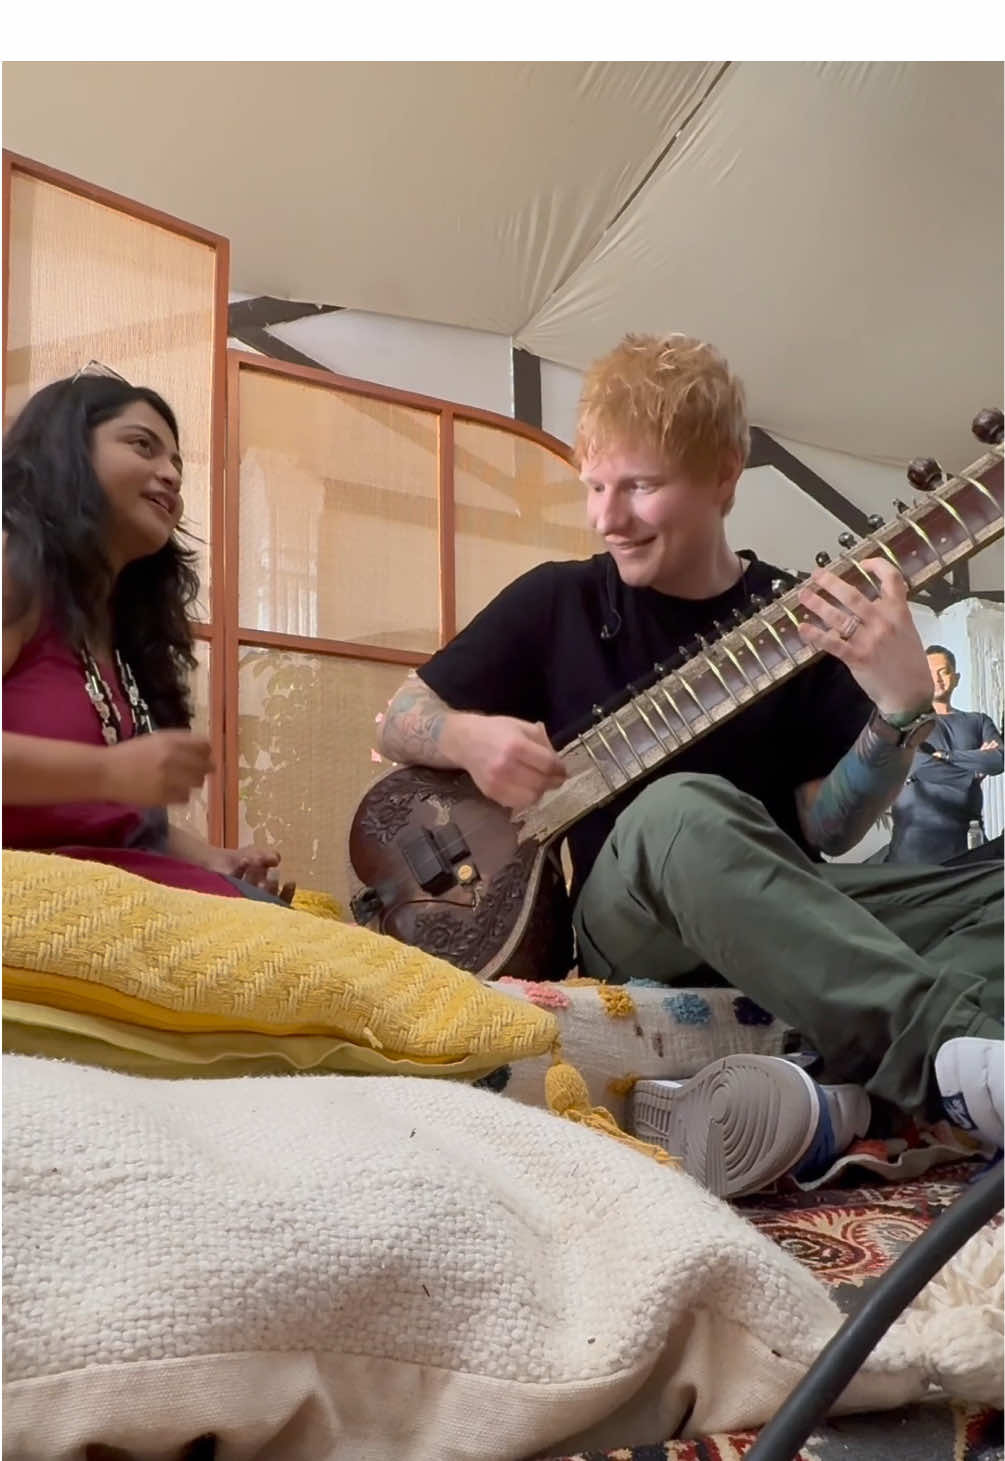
(989, 426)
(822, 558)
(846, 541)
(874, 522)
(757, 602)
(925, 474)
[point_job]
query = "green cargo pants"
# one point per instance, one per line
(874, 965)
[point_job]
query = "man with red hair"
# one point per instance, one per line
(713, 869)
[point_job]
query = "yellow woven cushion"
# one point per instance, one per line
(322, 905)
(58, 1034)
(91, 939)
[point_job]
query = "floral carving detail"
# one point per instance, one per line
(470, 939)
(389, 804)
(386, 816)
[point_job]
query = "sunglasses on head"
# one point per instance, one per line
(95, 367)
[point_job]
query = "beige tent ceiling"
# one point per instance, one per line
(835, 227)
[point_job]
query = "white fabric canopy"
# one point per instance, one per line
(462, 193)
(835, 227)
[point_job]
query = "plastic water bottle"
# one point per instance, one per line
(975, 836)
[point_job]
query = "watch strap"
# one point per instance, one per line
(909, 734)
(904, 719)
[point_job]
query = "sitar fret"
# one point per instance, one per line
(646, 694)
(628, 741)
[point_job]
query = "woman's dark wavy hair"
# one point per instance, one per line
(55, 514)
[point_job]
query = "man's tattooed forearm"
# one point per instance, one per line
(413, 724)
(862, 786)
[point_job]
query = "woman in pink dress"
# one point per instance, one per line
(97, 641)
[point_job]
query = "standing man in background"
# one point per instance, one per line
(942, 796)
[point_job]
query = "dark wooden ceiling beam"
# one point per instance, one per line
(765, 451)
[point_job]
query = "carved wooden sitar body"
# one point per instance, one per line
(453, 873)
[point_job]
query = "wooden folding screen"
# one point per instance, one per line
(366, 525)
(89, 274)
(349, 532)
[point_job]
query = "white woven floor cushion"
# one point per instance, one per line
(314, 1267)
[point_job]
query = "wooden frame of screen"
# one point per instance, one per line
(223, 632)
(446, 413)
(211, 631)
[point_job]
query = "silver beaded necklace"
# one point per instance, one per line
(104, 702)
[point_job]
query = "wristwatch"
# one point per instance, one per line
(904, 728)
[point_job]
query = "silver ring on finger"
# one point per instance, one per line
(849, 627)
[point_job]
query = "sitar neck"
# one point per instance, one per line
(752, 656)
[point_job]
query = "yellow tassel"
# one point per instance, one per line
(623, 1085)
(322, 905)
(567, 1095)
(564, 1088)
(616, 1001)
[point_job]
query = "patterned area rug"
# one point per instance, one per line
(848, 1237)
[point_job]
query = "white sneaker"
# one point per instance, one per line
(971, 1077)
(746, 1120)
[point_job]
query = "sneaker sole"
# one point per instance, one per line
(737, 1126)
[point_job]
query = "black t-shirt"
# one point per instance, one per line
(566, 637)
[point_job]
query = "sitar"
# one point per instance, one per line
(451, 872)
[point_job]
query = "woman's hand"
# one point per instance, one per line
(161, 769)
(255, 865)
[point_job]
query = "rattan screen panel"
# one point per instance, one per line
(338, 515)
(307, 734)
(195, 816)
(90, 282)
(517, 504)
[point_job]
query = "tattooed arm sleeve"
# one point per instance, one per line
(836, 812)
(413, 725)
